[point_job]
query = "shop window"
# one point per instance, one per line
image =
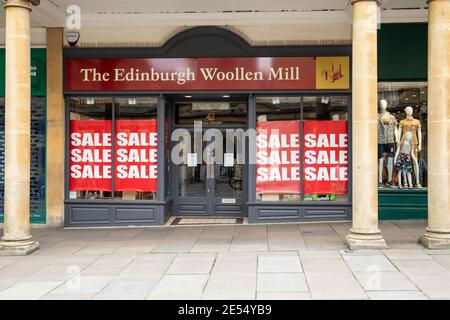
(136, 160)
(101, 148)
(37, 159)
(325, 149)
(302, 148)
(278, 172)
(402, 135)
(90, 145)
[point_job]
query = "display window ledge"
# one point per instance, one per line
(300, 203)
(99, 201)
(402, 191)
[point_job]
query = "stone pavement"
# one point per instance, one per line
(278, 261)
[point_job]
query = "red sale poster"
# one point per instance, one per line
(325, 161)
(278, 157)
(90, 155)
(136, 155)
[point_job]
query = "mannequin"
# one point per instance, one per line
(387, 137)
(404, 162)
(413, 126)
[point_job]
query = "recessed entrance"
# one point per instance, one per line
(211, 181)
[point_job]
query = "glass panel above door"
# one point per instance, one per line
(211, 113)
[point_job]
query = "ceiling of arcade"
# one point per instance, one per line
(260, 22)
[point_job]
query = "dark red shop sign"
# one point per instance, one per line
(257, 73)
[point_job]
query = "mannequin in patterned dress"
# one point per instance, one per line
(411, 125)
(404, 161)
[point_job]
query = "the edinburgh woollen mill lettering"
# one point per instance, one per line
(258, 73)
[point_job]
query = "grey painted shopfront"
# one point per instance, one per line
(221, 191)
(406, 78)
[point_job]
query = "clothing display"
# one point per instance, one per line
(404, 162)
(406, 166)
(398, 150)
(388, 148)
(410, 125)
(387, 124)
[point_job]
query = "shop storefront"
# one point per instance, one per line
(275, 116)
(225, 130)
(403, 98)
(38, 141)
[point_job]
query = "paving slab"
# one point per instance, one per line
(385, 281)
(235, 263)
(396, 295)
(239, 287)
(83, 285)
(192, 263)
(212, 245)
(294, 295)
(126, 290)
(443, 260)
(28, 290)
(279, 262)
(179, 287)
(276, 282)
(147, 266)
(422, 269)
(406, 254)
(368, 263)
(434, 288)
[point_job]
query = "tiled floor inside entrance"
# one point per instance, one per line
(277, 261)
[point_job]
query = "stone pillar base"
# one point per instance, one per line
(18, 248)
(434, 240)
(357, 241)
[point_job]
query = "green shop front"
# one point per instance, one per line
(402, 83)
(38, 135)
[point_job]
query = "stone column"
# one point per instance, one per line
(55, 128)
(16, 239)
(364, 233)
(437, 235)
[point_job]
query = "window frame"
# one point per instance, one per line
(302, 202)
(160, 165)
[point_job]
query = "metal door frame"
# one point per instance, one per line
(211, 201)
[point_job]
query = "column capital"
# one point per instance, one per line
(21, 3)
(377, 1)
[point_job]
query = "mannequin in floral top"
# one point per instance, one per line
(387, 137)
(404, 161)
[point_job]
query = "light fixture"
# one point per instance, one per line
(225, 96)
(90, 101)
(188, 96)
(131, 101)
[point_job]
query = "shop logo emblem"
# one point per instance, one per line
(333, 72)
(333, 75)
